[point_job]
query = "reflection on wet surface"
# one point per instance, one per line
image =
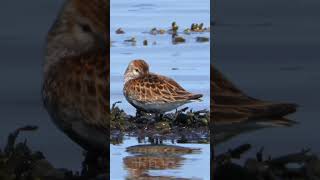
(156, 158)
(138, 166)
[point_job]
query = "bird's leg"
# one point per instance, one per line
(138, 113)
(148, 123)
(159, 116)
(146, 127)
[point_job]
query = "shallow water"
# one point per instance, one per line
(137, 18)
(177, 166)
(176, 61)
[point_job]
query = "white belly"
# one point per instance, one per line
(157, 107)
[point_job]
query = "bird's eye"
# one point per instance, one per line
(86, 28)
(136, 70)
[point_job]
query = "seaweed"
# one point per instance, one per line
(19, 162)
(183, 118)
(300, 165)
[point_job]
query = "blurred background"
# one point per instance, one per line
(269, 49)
(24, 25)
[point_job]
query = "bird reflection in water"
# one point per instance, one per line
(148, 157)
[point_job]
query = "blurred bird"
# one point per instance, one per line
(76, 72)
(229, 104)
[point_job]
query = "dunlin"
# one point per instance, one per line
(76, 73)
(153, 93)
(230, 104)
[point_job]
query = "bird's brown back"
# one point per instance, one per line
(156, 88)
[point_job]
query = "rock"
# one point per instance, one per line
(120, 31)
(202, 39)
(133, 40)
(187, 31)
(178, 39)
(145, 42)
(154, 31)
(161, 31)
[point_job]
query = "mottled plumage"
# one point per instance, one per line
(151, 92)
(76, 72)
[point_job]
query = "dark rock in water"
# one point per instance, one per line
(178, 39)
(132, 41)
(187, 31)
(120, 31)
(199, 28)
(202, 39)
(155, 31)
(145, 42)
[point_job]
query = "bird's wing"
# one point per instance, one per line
(77, 88)
(230, 104)
(156, 88)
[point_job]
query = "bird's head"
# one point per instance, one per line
(81, 26)
(136, 69)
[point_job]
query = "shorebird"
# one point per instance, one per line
(153, 93)
(76, 72)
(229, 104)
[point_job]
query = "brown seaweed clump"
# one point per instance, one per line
(19, 162)
(183, 118)
(294, 166)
